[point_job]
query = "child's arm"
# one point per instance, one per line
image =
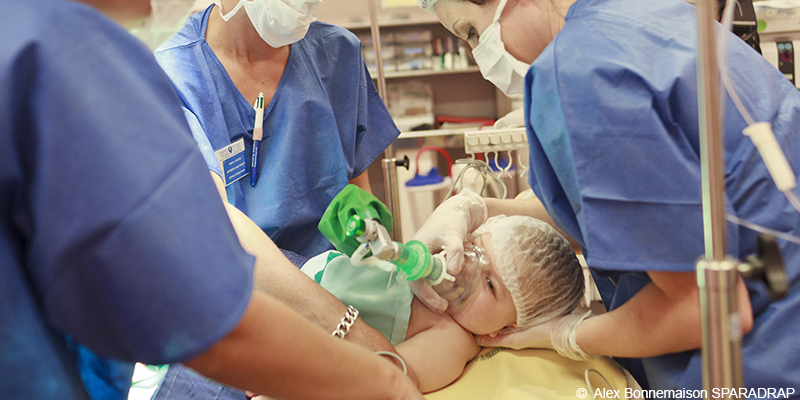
(436, 348)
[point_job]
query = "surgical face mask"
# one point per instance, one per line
(166, 18)
(460, 291)
(278, 22)
(496, 63)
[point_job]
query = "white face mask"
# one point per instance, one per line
(496, 63)
(166, 18)
(278, 22)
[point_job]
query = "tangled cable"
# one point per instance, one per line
(485, 171)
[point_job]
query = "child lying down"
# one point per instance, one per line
(530, 274)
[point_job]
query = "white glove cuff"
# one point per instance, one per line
(562, 336)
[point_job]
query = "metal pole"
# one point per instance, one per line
(389, 163)
(722, 340)
(716, 275)
(392, 196)
(711, 144)
(375, 31)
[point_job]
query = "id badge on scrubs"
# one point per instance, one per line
(232, 161)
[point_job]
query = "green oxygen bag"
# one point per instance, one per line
(352, 200)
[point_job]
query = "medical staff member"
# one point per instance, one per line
(100, 189)
(323, 124)
(323, 121)
(611, 113)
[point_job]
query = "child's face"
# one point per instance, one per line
(490, 308)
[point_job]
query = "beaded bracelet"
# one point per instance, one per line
(347, 321)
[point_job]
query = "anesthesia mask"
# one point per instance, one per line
(497, 65)
(278, 22)
(166, 18)
(459, 291)
(414, 262)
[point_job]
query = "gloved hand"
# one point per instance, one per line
(446, 229)
(557, 334)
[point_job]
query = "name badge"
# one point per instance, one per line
(232, 161)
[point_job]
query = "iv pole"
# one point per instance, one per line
(389, 163)
(717, 273)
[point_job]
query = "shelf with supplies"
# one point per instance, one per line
(432, 97)
(416, 49)
(390, 21)
(429, 72)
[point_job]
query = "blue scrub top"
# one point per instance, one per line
(100, 188)
(613, 131)
(324, 126)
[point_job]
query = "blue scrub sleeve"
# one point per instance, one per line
(202, 141)
(636, 165)
(376, 129)
(130, 248)
(352, 94)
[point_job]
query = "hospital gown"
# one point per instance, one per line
(382, 301)
(613, 133)
(100, 188)
(324, 126)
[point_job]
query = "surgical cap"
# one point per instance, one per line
(427, 5)
(537, 266)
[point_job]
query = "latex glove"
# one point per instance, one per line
(557, 334)
(449, 225)
(514, 119)
(446, 229)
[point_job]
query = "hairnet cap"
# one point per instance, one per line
(427, 5)
(537, 266)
